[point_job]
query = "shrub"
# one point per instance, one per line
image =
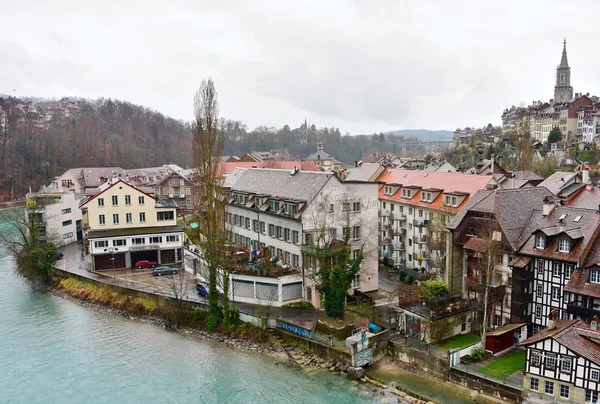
(298, 305)
(386, 261)
(477, 354)
(402, 277)
(410, 280)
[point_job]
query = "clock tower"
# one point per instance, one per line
(563, 90)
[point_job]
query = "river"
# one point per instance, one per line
(53, 350)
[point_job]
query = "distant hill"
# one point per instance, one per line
(424, 134)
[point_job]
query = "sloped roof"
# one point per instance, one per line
(449, 182)
(303, 185)
(559, 325)
(557, 181)
(321, 155)
(364, 172)
(579, 283)
(588, 198)
(228, 167)
(511, 207)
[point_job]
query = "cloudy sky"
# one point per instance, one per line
(362, 66)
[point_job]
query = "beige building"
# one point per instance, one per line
(325, 161)
(123, 225)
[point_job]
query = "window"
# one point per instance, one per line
(409, 255)
(142, 217)
(291, 209)
(356, 207)
(331, 210)
(65, 211)
(248, 223)
(534, 384)
(550, 361)
(356, 232)
(568, 271)
(127, 199)
(255, 225)
(155, 240)
(595, 276)
(140, 200)
(565, 365)
(138, 241)
(278, 232)
(549, 388)
(356, 281)
(346, 206)
(100, 244)
(564, 391)
(169, 215)
(392, 207)
(426, 196)
(538, 311)
(535, 358)
(115, 218)
(307, 238)
(556, 268)
(540, 266)
(591, 396)
(407, 193)
(295, 236)
(100, 201)
(271, 230)
(540, 289)
(555, 293)
(101, 220)
(67, 223)
(540, 242)
(355, 254)
(172, 239)
(115, 200)
(595, 375)
(286, 234)
(68, 235)
(295, 260)
(263, 227)
(470, 231)
(118, 243)
(450, 200)
(564, 245)
(274, 206)
(188, 191)
(410, 211)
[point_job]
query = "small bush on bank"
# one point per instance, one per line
(402, 277)
(298, 305)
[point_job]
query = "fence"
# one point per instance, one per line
(477, 370)
(457, 354)
(328, 339)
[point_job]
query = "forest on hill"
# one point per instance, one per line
(40, 139)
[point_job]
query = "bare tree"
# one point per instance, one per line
(521, 138)
(436, 240)
(209, 197)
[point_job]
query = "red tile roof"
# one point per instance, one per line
(229, 166)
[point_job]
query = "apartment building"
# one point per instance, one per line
(177, 187)
(286, 213)
(414, 209)
(123, 224)
(56, 214)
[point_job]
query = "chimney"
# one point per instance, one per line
(594, 324)
(320, 146)
(355, 163)
(548, 206)
(585, 173)
(552, 317)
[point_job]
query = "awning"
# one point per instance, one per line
(148, 247)
(520, 262)
(477, 244)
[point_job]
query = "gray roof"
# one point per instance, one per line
(511, 207)
(556, 182)
(303, 185)
(363, 173)
(89, 177)
(320, 155)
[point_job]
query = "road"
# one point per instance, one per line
(75, 262)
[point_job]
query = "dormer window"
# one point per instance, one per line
(274, 206)
(291, 208)
(426, 196)
(595, 276)
(450, 201)
(564, 245)
(540, 242)
(387, 190)
(407, 193)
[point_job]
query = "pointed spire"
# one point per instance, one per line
(563, 60)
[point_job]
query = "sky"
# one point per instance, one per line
(361, 66)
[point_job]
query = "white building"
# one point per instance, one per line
(286, 213)
(57, 214)
(124, 225)
(563, 362)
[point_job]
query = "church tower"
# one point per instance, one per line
(563, 90)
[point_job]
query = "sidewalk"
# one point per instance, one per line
(75, 262)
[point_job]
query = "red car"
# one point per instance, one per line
(145, 264)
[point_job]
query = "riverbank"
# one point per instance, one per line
(19, 203)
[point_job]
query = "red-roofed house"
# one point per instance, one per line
(415, 207)
(229, 166)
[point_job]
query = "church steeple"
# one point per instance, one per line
(563, 90)
(564, 62)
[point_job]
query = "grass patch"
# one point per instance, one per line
(460, 342)
(505, 366)
(298, 305)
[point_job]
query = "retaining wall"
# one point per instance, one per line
(497, 390)
(423, 360)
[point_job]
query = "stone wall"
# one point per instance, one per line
(334, 353)
(421, 359)
(489, 387)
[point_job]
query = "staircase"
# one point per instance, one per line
(294, 357)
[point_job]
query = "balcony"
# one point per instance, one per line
(399, 246)
(420, 239)
(398, 217)
(384, 213)
(399, 232)
(579, 310)
(420, 222)
(305, 248)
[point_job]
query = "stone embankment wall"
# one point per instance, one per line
(486, 386)
(421, 359)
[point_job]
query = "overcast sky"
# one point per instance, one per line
(362, 66)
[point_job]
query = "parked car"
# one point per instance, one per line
(159, 271)
(202, 289)
(145, 264)
(59, 255)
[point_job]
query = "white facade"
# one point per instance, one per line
(60, 213)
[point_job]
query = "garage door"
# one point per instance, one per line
(106, 261)
(150, 255)
(167, 256)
